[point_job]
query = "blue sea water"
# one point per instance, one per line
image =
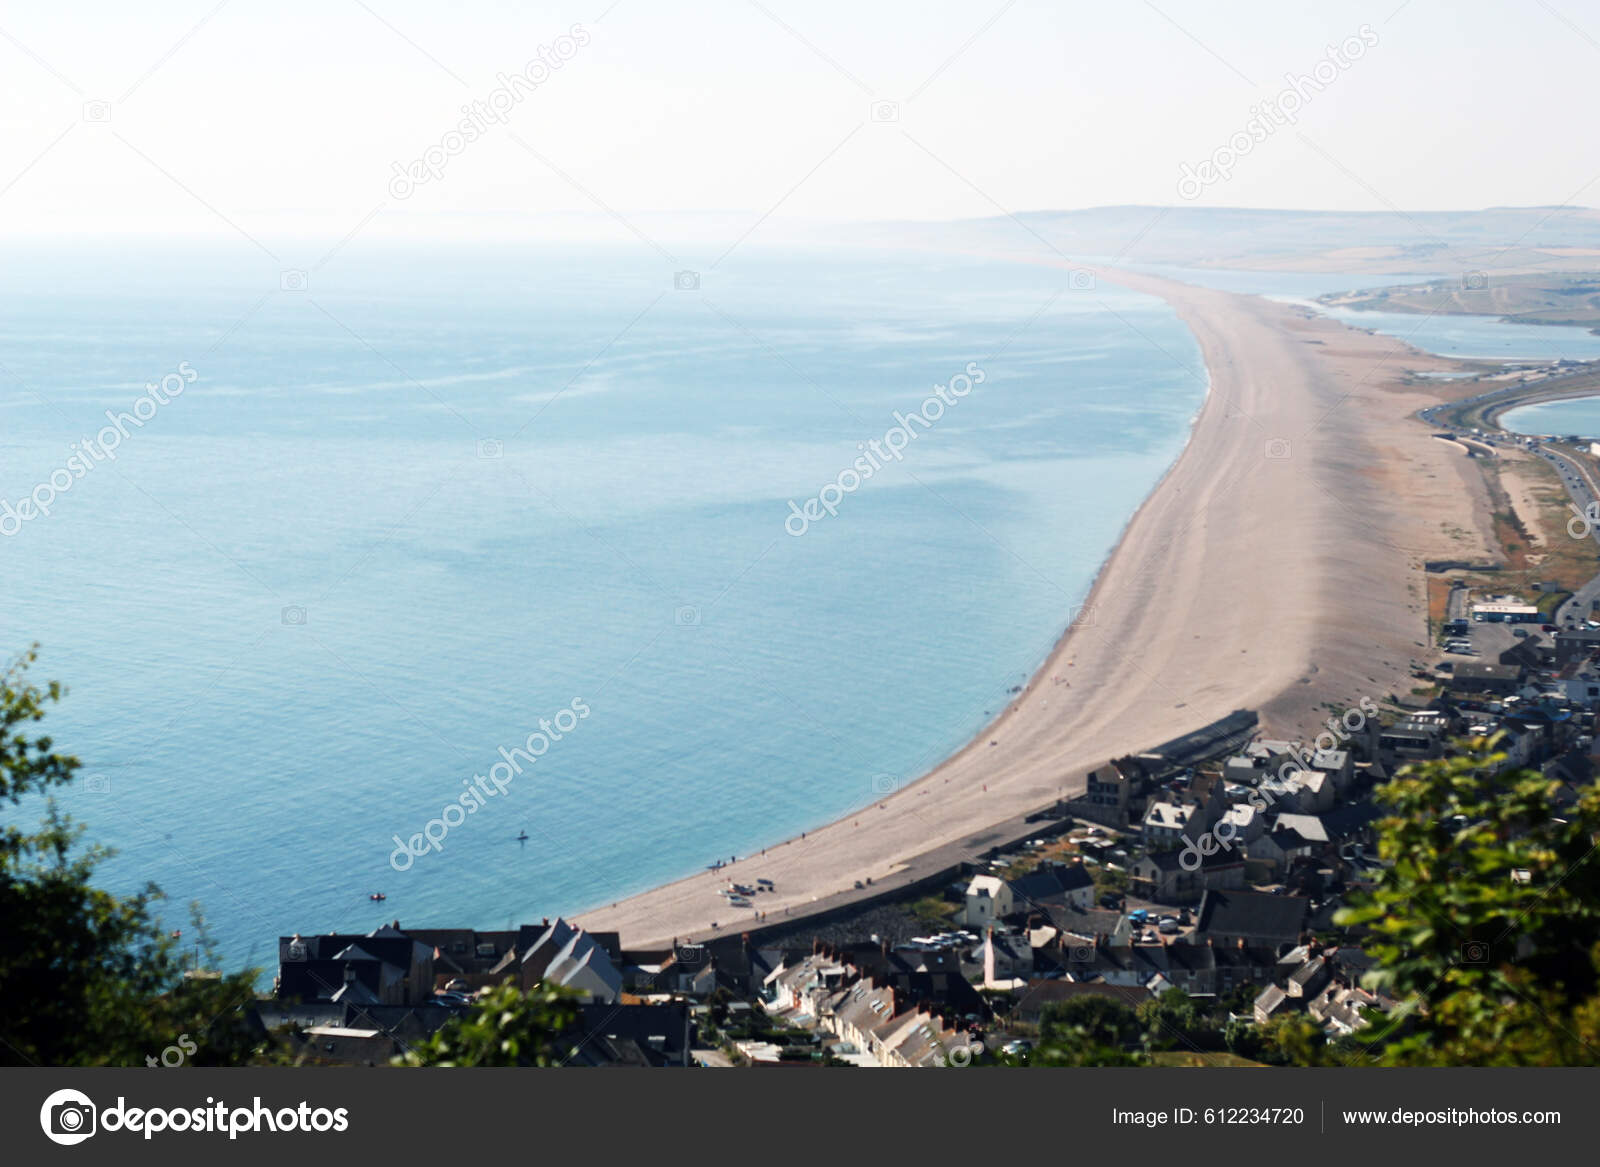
(409, 509)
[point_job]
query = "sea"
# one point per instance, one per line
(318, 551)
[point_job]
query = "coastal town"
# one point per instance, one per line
(1204, 874)
(1210, 868)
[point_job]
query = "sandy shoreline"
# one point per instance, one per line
(1275, 567)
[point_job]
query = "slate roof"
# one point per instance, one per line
(1251, 914)
(1053, 881)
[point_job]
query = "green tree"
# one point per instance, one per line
(1173, 1020)
(505, 1027)
(1090, 1030)
(1487, 925)
(89, 978)
(1291, 1040)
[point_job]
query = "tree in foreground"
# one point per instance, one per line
(87, 977)
(505, 1027)
(1487, 925)
(1088, 1031)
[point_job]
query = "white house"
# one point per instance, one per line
(1163, 825)
(989, 899)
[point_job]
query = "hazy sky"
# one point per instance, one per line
(267, 119)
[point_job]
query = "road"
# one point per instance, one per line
(1585, 495)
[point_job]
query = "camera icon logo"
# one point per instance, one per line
(690, 954)
(97, 111)
(1278, 449)
(883, 784)
(1081, 615)
(294, 616)
(1474, 281)
(687, 617)
(686, 281)
(97, 784)
(293, 280)
(68, 1117)
(1474, 952)
(491, 448)
(1080, 279)
(885, 111)
(960, 1056)
(1081, 954)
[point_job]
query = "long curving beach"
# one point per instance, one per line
(1276, 567)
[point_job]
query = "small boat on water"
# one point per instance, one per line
(377, 895)
(522, 837)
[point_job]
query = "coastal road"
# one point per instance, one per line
(1584, 492)
(1276, 567)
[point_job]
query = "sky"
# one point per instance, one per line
(263, 120)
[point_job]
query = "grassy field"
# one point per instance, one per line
(1536, 547)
